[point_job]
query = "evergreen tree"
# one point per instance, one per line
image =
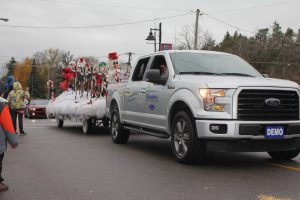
(34, 82)
(10, 66)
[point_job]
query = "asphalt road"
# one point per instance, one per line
(53, 163)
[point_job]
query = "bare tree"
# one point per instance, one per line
(187, 37)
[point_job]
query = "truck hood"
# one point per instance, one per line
(236, 81)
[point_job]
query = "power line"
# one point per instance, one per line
(115, 6)
(251, 7)
(94, 26)
(170, 9)
(233, 26)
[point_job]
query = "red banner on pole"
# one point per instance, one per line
(166, 46)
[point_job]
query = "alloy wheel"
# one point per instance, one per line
(181, 138)
(114, 125)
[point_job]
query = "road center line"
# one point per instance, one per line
(285, 166)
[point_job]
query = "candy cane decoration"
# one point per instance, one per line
(87, 71)
(51, 86)
(80, 69)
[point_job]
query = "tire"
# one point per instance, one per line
(87, 126)
(118, 134)
(105, 122)
(284, 155)
(60, 123)
(186, 146)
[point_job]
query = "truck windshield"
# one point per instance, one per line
(211, 64)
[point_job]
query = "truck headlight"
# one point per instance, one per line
(209, 98)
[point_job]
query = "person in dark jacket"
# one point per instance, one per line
(8, 86)
(7, 134)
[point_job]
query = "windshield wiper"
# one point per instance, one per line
(236, 74)
(205, 73)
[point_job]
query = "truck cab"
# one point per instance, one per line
(206, 100)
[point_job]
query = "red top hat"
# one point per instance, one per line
(113, 56)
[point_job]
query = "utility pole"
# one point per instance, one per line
(129, 62)
(159, 37)
(129, 57)
(196, 29)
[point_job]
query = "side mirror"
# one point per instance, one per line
(266, 75)
(153, 76)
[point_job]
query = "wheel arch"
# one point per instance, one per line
(115, 102)
(183, 99)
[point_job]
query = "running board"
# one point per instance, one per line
(148, 132)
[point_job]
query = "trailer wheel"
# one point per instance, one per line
(87, 126)
(118, 134)
(59, 123)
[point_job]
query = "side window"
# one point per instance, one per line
(159, 62)
(139, 70)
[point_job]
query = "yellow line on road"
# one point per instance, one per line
(270, 197)
(285, 166)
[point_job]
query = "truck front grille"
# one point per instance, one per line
(252, 105)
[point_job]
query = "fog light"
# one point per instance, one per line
(218, 128)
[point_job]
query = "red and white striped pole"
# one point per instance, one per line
(50, 87)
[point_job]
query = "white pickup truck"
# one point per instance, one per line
(206, 100)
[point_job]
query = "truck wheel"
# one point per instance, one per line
(87, 126)
(118, 134)
(186, 146)
(60, 123)
(105, 122)
(284, 155)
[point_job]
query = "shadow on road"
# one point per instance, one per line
(77, 130)
(225, 160)
(161, 149)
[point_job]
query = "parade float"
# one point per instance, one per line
(84, 92)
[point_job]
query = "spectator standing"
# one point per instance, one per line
(8, 86)
(16, 103)
(7, 133)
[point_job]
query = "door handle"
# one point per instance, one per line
(143, 91)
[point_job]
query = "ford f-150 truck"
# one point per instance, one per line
(205, 100)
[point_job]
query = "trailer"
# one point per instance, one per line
(70, 105)
(87, 101)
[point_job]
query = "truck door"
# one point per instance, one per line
(132, 92)
(156, 97)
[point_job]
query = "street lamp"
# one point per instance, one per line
(4, 19)
(152, 37)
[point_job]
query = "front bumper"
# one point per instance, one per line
(248, 136)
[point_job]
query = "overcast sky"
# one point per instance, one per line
(249, 15)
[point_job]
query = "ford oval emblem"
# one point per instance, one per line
(272, 102)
